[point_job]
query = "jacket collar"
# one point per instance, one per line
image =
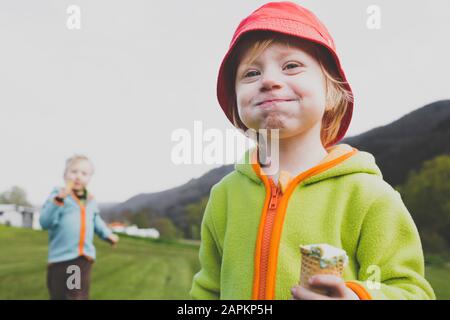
(359, 162)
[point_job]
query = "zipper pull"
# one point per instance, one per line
(274, 196)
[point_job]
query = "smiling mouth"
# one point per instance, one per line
(272, 102)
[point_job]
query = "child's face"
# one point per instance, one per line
(80, 174)
(284, 88)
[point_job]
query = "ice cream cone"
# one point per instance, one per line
(321, 259)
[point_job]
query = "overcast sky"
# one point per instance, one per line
(117, 88)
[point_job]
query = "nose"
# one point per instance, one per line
(270, 80)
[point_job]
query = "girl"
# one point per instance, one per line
(282, 73)
(71, 215)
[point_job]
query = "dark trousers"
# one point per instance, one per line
(69, 280)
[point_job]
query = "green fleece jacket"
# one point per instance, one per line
(348, 206)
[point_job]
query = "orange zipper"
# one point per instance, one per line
(82, 224)
(82, 231)
(275, 195)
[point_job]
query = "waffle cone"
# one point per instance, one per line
(310, 266)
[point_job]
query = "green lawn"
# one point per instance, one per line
(136, 269)
(439, 277)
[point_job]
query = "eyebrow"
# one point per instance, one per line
(288, 52)
(285, 53)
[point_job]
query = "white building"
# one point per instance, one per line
(135, 231)
(19, 216)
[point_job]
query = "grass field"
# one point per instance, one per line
(439, 277)
(136, 269)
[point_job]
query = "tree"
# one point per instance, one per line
(166, 228)
(16, 195)
(194, 215)
(426, 193)
(141, 219)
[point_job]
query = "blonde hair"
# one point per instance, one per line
(337, 97)
(75, 159)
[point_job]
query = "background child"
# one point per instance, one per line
(72, 216)
(282, 72)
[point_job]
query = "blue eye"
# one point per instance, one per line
(291, 66)
(252, 73)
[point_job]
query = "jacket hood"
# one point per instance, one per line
(359, 162)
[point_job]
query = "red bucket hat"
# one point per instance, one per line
(290, 19)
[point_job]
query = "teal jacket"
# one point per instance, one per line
(71, 227)
(252, 230)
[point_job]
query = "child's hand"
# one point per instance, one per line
(65, 191)
(334, 286)
(113, 239)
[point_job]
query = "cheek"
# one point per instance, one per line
(244, 98)
(311, 91)
(246, 116)
(245, 94)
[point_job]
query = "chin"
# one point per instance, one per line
(273, 122)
